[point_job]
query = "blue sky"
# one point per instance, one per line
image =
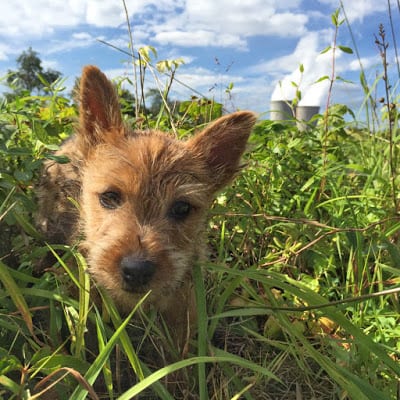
(254, 43)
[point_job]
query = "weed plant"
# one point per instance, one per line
(299, 298)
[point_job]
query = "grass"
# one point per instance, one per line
(299, 297)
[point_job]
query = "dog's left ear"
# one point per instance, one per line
(222, 144)
(99, 110)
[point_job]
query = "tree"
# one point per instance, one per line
(157, 102)
(26, 77)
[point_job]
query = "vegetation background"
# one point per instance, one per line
(300, 299)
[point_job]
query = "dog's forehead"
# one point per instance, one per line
(154, 152)
(145, 160)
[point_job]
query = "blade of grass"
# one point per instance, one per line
(96, 367)
(225, 357)
(84, 297)
(139, 368)
(17, 297)
(302, 291)
(124, 337)
(202, 329)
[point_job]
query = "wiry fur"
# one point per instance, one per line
(150, 171)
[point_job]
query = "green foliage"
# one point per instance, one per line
(197, 112)
(30, 75)
(305, 268)
(340, 243)
(30, 129)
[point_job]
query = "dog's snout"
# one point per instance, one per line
(137, 272)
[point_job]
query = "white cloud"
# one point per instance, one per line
(75, 41)
(245, 18)
(104, 13)
(82, 36)
(119, 73)
(286, 69)
(223, 23)
(39, 17)
(51, 64)
(199, 38)
(227, 23)
(4, 51)
(358, 10)
(251, 94)
(306, 51)
(111, 13)
(366, 62)
(202, 79)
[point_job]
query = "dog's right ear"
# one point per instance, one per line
(222, 144)
(99, 109)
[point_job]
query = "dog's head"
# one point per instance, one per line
(145, 194)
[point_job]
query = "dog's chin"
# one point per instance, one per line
(135, 290)
(127, 300)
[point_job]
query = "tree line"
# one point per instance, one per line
(31, 78)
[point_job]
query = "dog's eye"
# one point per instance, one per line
(180, 210)
(110, 200)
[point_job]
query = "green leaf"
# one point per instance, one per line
(145, 53)
(97, 365)
(8, 362)
(23, 176)
(26, 225)
(17, 297)
(326, 50)
(58, 159)
(334, 17)
(339, 78)
(323, 78)
(221, 356)
(39, 131)
(345, 49)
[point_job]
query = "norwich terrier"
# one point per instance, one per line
(139, 199)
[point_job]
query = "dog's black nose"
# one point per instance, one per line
(137, 272)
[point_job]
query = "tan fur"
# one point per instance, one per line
(149, 171)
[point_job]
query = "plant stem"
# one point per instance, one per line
(326, 115)
(394, 37)
(383, 46)
(132, 54)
